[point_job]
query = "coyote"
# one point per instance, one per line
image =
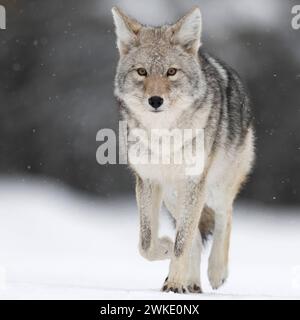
(165, 80)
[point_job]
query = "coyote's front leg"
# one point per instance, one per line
(149, 199)
(190, 204)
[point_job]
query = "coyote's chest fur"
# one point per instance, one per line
(163, 160)
(167, 156)
(172, 144)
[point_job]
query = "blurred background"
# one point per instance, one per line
(57, 65)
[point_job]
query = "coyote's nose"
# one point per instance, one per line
(156, 102)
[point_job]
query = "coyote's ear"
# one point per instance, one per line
(127, 30)
(187, 31)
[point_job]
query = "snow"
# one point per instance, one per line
(58, 244)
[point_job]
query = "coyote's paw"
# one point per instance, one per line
(165, 247)
(194, 288)
(193, 282)
(174, 287)
(160, 250)
(217, 274)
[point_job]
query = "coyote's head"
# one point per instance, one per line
(158, 74)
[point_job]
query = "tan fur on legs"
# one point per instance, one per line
(218, 260)
(149, 198)
(194, 280)
(190, 205)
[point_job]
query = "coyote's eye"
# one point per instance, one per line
(171, 72)
(142, 72)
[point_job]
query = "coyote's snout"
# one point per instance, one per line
(165, 80)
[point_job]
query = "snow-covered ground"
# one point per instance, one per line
(56, 244)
